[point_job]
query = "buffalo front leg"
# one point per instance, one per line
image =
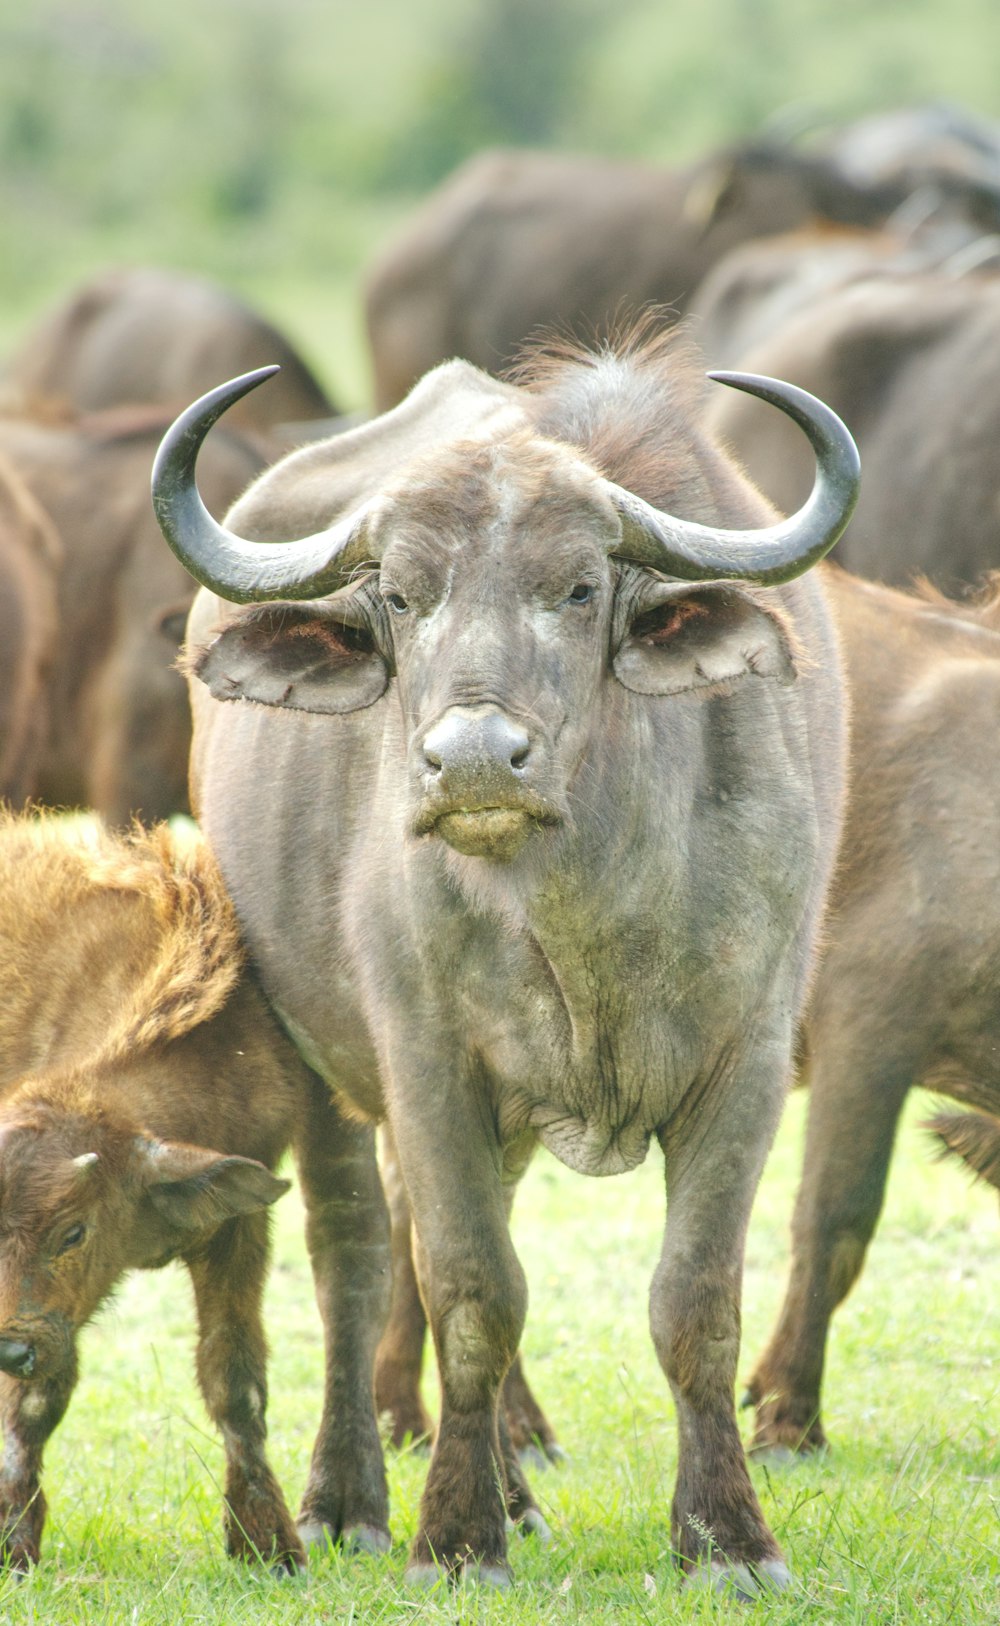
(228, 1278)
(347, 1232)
(713, 1164)
(30, 1411)
(476, 1297)
(857, 1093)
(399, 1360)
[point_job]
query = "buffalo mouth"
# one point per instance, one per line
(485, 832)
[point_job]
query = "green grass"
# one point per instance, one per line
(901, 1523)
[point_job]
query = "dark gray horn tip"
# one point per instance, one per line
(173, 465)
(830, 436)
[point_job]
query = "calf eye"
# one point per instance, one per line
(582, 593)
(74, 1236)
(396, 602)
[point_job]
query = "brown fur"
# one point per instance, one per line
(30, 561)
(147, 334)
(907, 991)
(110, 720)
(973, 1138)
(145, 1093)
(899, 357)
(514, 243)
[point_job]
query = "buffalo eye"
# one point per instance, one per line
(582, 593)
(72, 1238)
(396, 602)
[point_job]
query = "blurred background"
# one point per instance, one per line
(274, 145)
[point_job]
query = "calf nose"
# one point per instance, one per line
(16, 1358)
(476, 747)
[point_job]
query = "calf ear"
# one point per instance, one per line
(306, 657)
(191, 1189)
(687, 637)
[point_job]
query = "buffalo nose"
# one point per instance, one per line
(16, 1358)
(476, 743)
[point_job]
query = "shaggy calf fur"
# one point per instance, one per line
(146, 1092)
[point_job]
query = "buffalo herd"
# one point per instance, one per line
(552, 787)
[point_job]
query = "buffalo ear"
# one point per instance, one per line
(191, 1189)
(305, 657)
(695, 637)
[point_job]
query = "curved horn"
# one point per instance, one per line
(243, 572)
(778, 552)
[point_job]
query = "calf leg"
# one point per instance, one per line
(30, 1413)
(347, 1233)
(713, 1163)
(228, 1276)
(853, 1112)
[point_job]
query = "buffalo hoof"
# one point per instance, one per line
(783, 1453)
(538, 1457)
(747, 1582)
(316, 1534)
(473, 1571)
(365, 1538)
(531, 1523)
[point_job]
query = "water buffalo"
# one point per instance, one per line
(897, 357)
(141, 334)
(907, 991)
(146, 1091)
(117, 732)
(528, 813)
(517, 242)
(30, 558)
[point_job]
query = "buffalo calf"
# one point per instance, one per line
(146, 1095)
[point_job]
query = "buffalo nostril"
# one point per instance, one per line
(17, 1358)
(470, 747)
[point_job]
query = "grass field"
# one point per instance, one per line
(900, 1524)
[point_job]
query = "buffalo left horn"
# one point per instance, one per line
(245, 572)
(692, 552)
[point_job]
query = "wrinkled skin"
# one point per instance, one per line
(907, 991)
(555, 834)
(117, 1156)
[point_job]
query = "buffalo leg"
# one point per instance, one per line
(474, 1289)
(228, 1277)
(853, 1112)
(400, 1355)
(347, 1233)
(399, 1360)
(30, 1412)
(712, 1166)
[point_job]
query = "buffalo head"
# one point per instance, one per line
(498, 577)
(72, 1222)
